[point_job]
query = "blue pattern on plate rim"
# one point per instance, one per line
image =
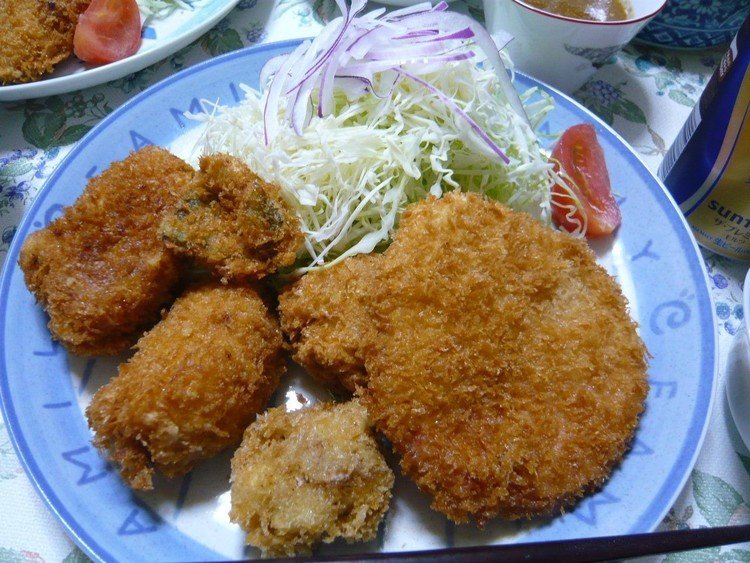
(42, 408)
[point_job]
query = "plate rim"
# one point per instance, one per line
(76, 532)
(98, 75)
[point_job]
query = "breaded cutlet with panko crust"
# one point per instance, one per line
(37, 34)
(233, 222)
(309, 476)
(505, 369)
(324, 316)
(100, 270)
(196, 381)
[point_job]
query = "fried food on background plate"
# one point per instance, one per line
(505, 370)
(100, 270)
(196, 381)
(233, 222)
(309, 476)
(325, 317)
(36, 36)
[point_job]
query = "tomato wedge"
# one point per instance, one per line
(109, 30)
(581, 156)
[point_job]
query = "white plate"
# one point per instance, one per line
(44, 391)
(161, 38)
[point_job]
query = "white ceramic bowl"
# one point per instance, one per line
(738, 370)
(561, 51)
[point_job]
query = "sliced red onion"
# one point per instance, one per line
(271, 107)
(351, 50)
(451, 104)
(465, 33)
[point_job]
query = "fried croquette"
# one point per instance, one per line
(325, 317)
(196, 381)
(233, 222)
(309, 476)
(505, 371)
(36, 36)
(100, 270)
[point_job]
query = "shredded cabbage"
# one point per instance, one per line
(350, 175)
(160, 9)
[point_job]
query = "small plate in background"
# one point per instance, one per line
(161, 38)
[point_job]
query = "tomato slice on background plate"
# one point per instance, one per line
(581, 157)
(109, 30)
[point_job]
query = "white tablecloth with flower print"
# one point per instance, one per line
(645, 93)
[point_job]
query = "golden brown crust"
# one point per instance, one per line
(37, 34)
(325, 317)
(233, 222)
(100, 270)
(308, 476)
(506, 371)
(198, 379)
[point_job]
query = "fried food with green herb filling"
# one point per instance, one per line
(309, 476)
(196, 381)
(100, 270)
(37, 35)
(233, 222)
(505, 369)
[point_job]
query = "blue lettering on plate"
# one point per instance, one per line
(235, 92)
(450, 534)
(646, 252)
(139, 521)
(87, 371)
(88, 475)
(148, 32)
(670, 314)
(182, 494)
(660, 388)
(179, 114)
(52, 211)
(640, 448)
(587, 512)
(62, 405)
(53, 350)
(91, 172)
(139, 141)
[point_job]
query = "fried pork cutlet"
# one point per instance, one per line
(505, 371)
(308, 476)
(233, 222)
(325, 317)
(197, 380)
(36, 36)
(100, 270)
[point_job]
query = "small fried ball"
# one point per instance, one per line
(308, 476)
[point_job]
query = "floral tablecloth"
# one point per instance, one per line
(645, 93)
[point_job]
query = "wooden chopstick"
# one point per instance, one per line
(572, 551)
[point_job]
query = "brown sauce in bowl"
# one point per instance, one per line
(594, 10)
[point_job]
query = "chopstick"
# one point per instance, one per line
(573, 551)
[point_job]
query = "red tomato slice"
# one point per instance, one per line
(109, 30)
(579, 153)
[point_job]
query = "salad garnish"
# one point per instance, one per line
(381, 110)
